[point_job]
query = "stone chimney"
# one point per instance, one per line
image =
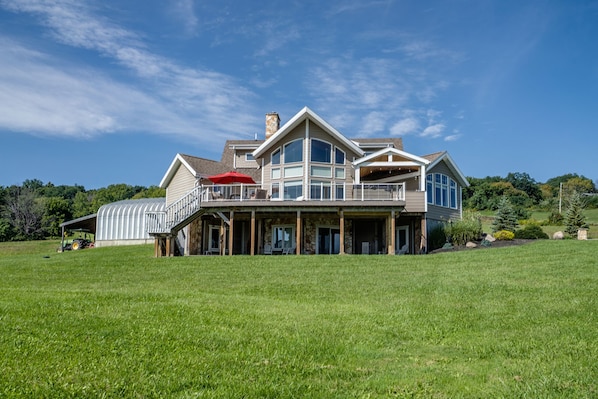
(272, 124)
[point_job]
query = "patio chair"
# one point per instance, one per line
(267, 249)
(404, 249)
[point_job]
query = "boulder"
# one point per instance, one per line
(471, 244)
(558, 235)
(490, 238)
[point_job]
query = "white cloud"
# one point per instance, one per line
(452, 137)
(404, 127)
(433, 130)
(171, 99)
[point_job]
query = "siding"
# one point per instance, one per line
(440, 213)
(240, 161)
(182, 182)
(415, 201)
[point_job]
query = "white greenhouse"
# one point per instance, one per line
(123, 222)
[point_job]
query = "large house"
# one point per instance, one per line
(316, 192)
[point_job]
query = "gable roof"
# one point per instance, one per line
(198, 167)
(364, 143)
(392, 151)
(301, 116)
(444, 156)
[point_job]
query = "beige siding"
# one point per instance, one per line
(240, 160)
(182, 182)
(415, 201)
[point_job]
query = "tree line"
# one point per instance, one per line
(34, 210)
(526, 194)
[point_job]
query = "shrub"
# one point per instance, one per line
(436, 237)
(531, 232)
(467, 229)
(504, 235)
(555, 219)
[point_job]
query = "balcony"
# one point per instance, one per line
(316, 192)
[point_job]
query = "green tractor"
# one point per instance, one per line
(80, 242)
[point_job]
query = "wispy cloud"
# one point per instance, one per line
(175, 98)
(183, 10)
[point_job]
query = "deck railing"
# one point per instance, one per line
(158, 222)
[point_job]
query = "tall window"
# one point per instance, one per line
(276, 157)
(293, 151)
(339, 157)
(441, 190)
(430, 188)
(453, 197)
(293, 189)
(321, 151)
(283, 237)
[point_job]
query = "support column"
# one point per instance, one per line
(156, 247)
(298, 235)
(260, 241)
(230, 233)
(393, 233)
(252, 249)
(342, 232)
(221, 238)
(168, 246)
(423, 244)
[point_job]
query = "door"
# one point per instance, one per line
(402, 240)
(328, 240)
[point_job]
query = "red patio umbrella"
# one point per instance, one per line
(231, 177)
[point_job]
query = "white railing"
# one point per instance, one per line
(179, 211)
(175, 213)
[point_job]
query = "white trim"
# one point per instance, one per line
(415, 160)
(302, 115)
(452, 166)
(171, 171)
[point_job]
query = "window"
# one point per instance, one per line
(339, 157)
(293, 171)
(276, 157)
(340, 192)
(321, 151)
(276, 173)
(321, 171)
(293, 189)
(320, 190)
(283, 237)
(441, 190)
(453, 195)
(249, 157)
(276, 190)
(430, 188)
(293, 151)
(437, 189)
(339, 173)
(444, 189)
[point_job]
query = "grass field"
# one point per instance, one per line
(115, 322)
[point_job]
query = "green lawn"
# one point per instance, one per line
(116, 322)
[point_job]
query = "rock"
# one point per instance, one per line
(471, 244)
(490, 238)
(558, 235)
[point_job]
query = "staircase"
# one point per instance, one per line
(176, 216)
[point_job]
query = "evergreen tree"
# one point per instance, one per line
(574, 217)
(505, 218)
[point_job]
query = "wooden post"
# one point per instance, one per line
(423, 243)
(298, 238)
(393, 233)
(221, 238)
(230, 233)
(252, 250)
(342, 232)
(168, 242)
(156, 247)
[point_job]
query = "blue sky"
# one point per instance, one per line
(103, 92)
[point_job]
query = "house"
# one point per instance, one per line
(316, 192)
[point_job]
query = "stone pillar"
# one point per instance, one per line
(342, 233)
